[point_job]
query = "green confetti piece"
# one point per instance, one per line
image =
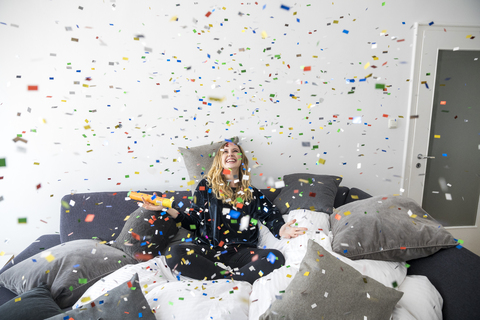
(379, 86)
(193, 227)
(3, 162)
(254, 221)
(65, 205)
(22, 220)
(127, 176)
(71, 288)
(407, 265)
(82, 280)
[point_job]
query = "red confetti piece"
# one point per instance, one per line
(32, 88)
(226, 171)
(39, 186)
(312, 194)
(403, 248)
(208, 14)
(221, 243)
(307, 68)
(136, 236)
(89, 217)
(337, 216)
(201, 188)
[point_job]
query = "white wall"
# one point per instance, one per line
(135, 83)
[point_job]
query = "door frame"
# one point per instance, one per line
(421, 126)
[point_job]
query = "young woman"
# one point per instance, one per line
(225, 215)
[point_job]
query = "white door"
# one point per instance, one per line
(442, 165)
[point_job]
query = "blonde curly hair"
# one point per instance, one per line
(221, 187)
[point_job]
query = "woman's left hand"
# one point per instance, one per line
(286, 231)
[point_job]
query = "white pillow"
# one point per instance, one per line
(400, 313)
(421, 298)
(198, 299)
(266, 289)
(314, 221)
(151, 273)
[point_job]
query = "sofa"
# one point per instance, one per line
(453, 271)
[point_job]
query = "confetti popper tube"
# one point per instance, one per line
(167, 203)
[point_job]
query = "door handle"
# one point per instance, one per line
(421, 156)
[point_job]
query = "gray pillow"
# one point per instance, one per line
(313, 192)
(327, 288)
(123, 302)
(146, 234)
(36, 304)
(69, 269)
(198, 160)
(390, 228)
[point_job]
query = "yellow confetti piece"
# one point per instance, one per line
(260, 273)
(347, 213)
(191, 182)
(306, 274)
(321, 161)
(169, 256)
(288, 206)
(18, 299)
(437, 136)
(125, 58)
(366, 65)
(264, 35)
(50, 258)
(2, 253)
(354, 197)
(289, 275)
(85, 299)
(126, 218)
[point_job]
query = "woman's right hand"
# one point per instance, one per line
(151, 206)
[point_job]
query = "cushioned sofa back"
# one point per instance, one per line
(109, 210)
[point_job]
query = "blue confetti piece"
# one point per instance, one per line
(345, 31)
(234, 214)
(154, 196)
(271, 258)
(76, 266)
(180, 204)
(444, 154)
(284, 7)
(345, 251)
(426, 85)
(431, 23)
(140, 315)
(459, 247)
(188, 240)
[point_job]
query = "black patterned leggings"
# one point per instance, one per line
(199, 261)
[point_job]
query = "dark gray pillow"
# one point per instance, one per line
(198, 160)
(390, 228)
(313, 192)
(68, 269)
(146, 234)
(327, 288)
(123, 302)
(35, 304)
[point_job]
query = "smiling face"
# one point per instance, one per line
(231, 157)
